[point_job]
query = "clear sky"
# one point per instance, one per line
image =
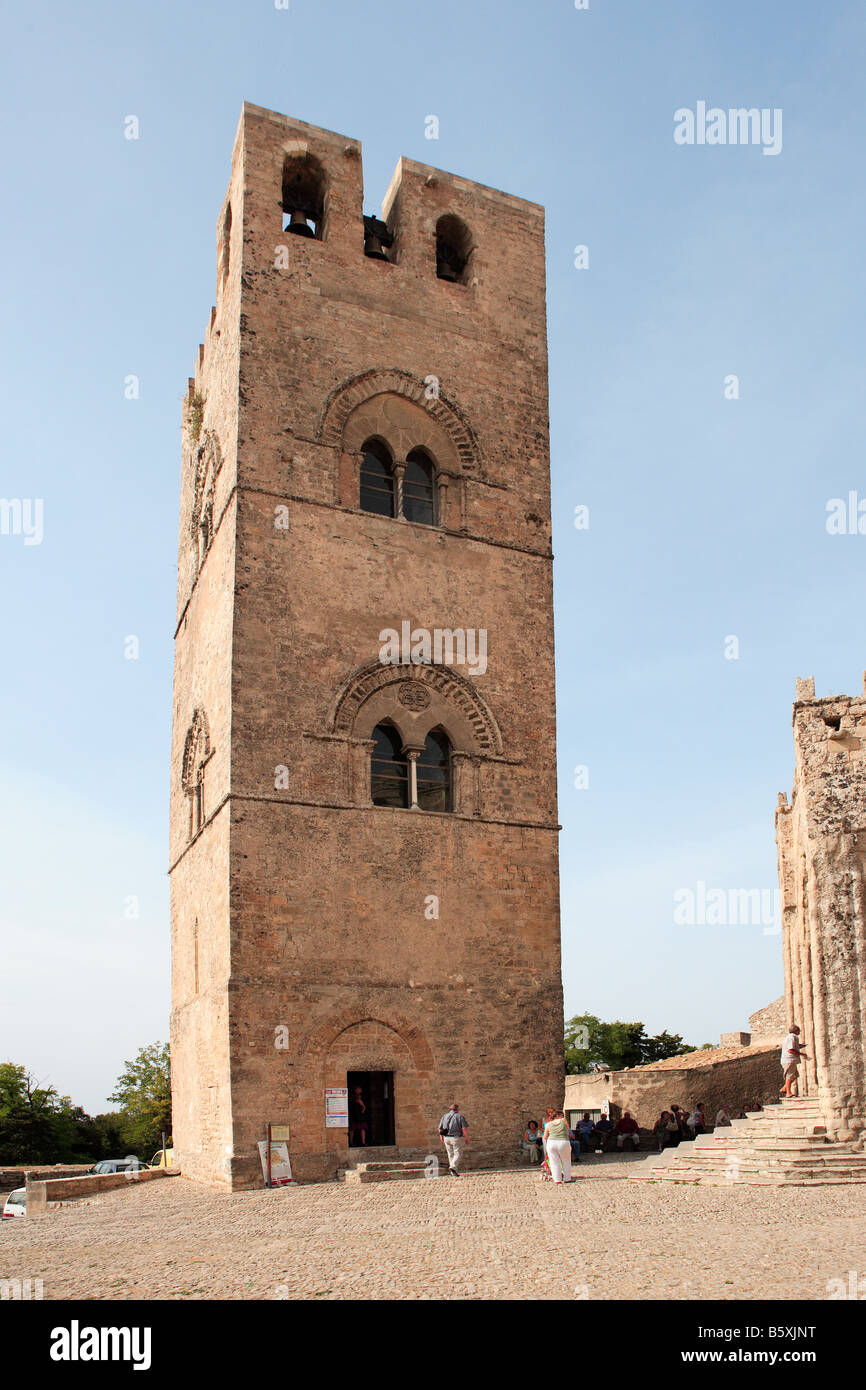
(707, 515)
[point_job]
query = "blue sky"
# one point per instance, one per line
(707, 515)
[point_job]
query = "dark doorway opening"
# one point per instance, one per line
(377, 1096)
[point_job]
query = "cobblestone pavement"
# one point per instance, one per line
(485, 1235)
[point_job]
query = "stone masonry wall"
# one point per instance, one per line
(771, 1021)
(821, 838)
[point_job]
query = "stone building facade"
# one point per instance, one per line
(364, 872)
(821, 839)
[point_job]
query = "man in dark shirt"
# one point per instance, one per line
(603, 1128)
(627, 1128)
(454, 1133)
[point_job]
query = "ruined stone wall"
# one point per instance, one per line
(821, 838)
(771, 1021)
(321, 927)
(752, 1075)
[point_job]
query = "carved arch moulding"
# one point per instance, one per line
(358, 390)
(416, 699)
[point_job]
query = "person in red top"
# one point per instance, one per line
(627, 1128)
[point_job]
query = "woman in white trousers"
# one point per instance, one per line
(556, 1134)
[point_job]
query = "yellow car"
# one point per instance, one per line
(162, 1159)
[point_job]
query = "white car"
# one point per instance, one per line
(16, 1204)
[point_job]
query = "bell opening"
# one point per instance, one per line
(376, 238)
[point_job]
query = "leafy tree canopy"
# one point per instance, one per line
(37, 1125)
(589, 1040)
(143, 1092)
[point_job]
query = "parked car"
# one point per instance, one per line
(163, 1160)
(16, 1204)
(130, 1164)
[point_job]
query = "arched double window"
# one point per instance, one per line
(420, 780)
(408, 491)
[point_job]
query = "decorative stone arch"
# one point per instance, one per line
(198, 735)
(464, 453)
(320, 1042)
(416, 699)
(208, 462)
(197, 752)
(354, 1040)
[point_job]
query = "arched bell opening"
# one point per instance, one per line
(304, 190)
(454, 248)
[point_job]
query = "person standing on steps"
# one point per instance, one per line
(454, 1133)
(791, 1054)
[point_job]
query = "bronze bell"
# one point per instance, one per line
(374, 248)
(299, 224)
(376, 238)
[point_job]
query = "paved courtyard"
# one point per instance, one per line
(486, 1235)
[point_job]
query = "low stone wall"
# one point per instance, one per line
(741, 1075)
(10, 1178)
(40, 1193)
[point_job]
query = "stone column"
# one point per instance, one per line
(412, 755)
(399, 470)
(442, 499)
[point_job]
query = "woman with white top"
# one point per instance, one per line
(557, 1138)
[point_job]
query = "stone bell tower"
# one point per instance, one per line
(364, 863)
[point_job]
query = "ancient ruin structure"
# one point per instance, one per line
(816, 1138)
(821, 838)
(364, 872)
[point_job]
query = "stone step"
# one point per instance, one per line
(792, 1130)
(400, 1176)
(798, 1164)
(379, 1170)
(395, 1166)
(759, 1170)
(785, 1145)
(760, 1141)
(756, 1180)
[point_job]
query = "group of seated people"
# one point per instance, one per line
(669, 1130)
(674, 1125)
(587, 1134)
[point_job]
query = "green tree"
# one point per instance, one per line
(143, 1093)
(588, 1040)
(36, 1124)
(664, 1045)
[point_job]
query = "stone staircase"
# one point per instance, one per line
(383, 1171)
(783, 1145)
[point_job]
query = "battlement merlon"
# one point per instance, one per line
(500, 234)
(314, 135)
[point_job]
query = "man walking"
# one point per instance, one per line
(791, 1054)
(454, 1133)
